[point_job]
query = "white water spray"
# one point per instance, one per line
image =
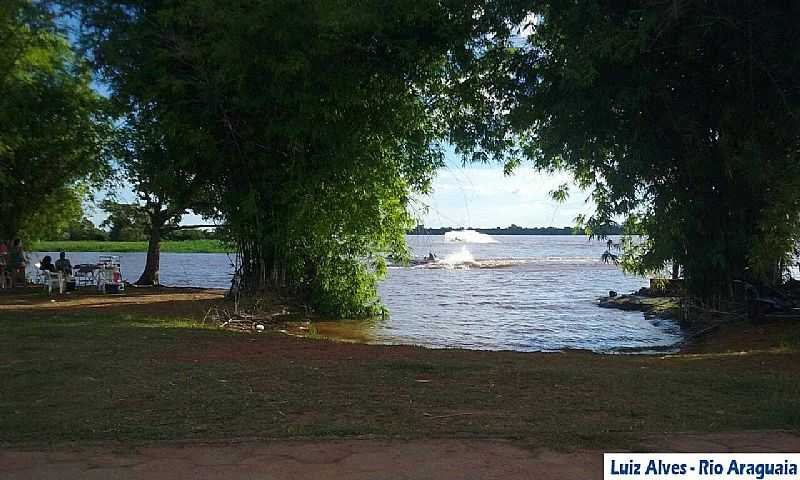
(468, 236)
(460, 258)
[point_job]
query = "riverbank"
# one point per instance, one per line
(183, 246)
(149, 366)
(651, 307)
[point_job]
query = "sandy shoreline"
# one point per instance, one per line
(196, 304)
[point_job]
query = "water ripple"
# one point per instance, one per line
(542, 298)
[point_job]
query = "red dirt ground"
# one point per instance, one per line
(354, 459)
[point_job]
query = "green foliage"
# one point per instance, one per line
(157, 157)
(126, 222)
(313, 123)
(183, 246)
(52, 130)
(561, 193)
(345, 288)
(192, 234)
(83, 230)
(681, 115)
(54, 215)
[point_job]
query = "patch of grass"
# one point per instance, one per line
(791, 339)
(183, 246)
(96, 376)
(411, 367)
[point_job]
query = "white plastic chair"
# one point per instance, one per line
(51, 280)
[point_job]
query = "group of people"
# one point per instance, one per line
(62, 264)
(12, 264)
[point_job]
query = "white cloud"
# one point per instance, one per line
(485, 198)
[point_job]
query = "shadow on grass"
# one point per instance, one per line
(155, 303)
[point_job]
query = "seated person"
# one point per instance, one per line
(47, 264)
(63, 265)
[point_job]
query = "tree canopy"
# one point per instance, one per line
(52, 128)
(125, 221)
(681, 116)
(309, 124)
(316, 120)
(159, 162)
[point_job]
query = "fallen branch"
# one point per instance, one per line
(705, 331)
(434, 417)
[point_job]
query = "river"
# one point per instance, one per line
(524, 293)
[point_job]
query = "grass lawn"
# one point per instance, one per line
(98, 374)
(184, 246)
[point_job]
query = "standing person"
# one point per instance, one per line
(16, 263)
(3, 264)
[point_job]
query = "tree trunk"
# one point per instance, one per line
(153, 263)
(676, 270)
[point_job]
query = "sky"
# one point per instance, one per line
(483, 197)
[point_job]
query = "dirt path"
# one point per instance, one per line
(164, 302)
(355, 459)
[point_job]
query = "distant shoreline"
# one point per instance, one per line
(215, 246)
(167, 246)
(513, 230)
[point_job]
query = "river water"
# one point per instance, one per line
(524, 293)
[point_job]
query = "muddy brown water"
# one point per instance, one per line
(523, 293)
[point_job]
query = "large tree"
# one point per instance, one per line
(159, 161)
(51, 128)
(683, 116)
(317, 121)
